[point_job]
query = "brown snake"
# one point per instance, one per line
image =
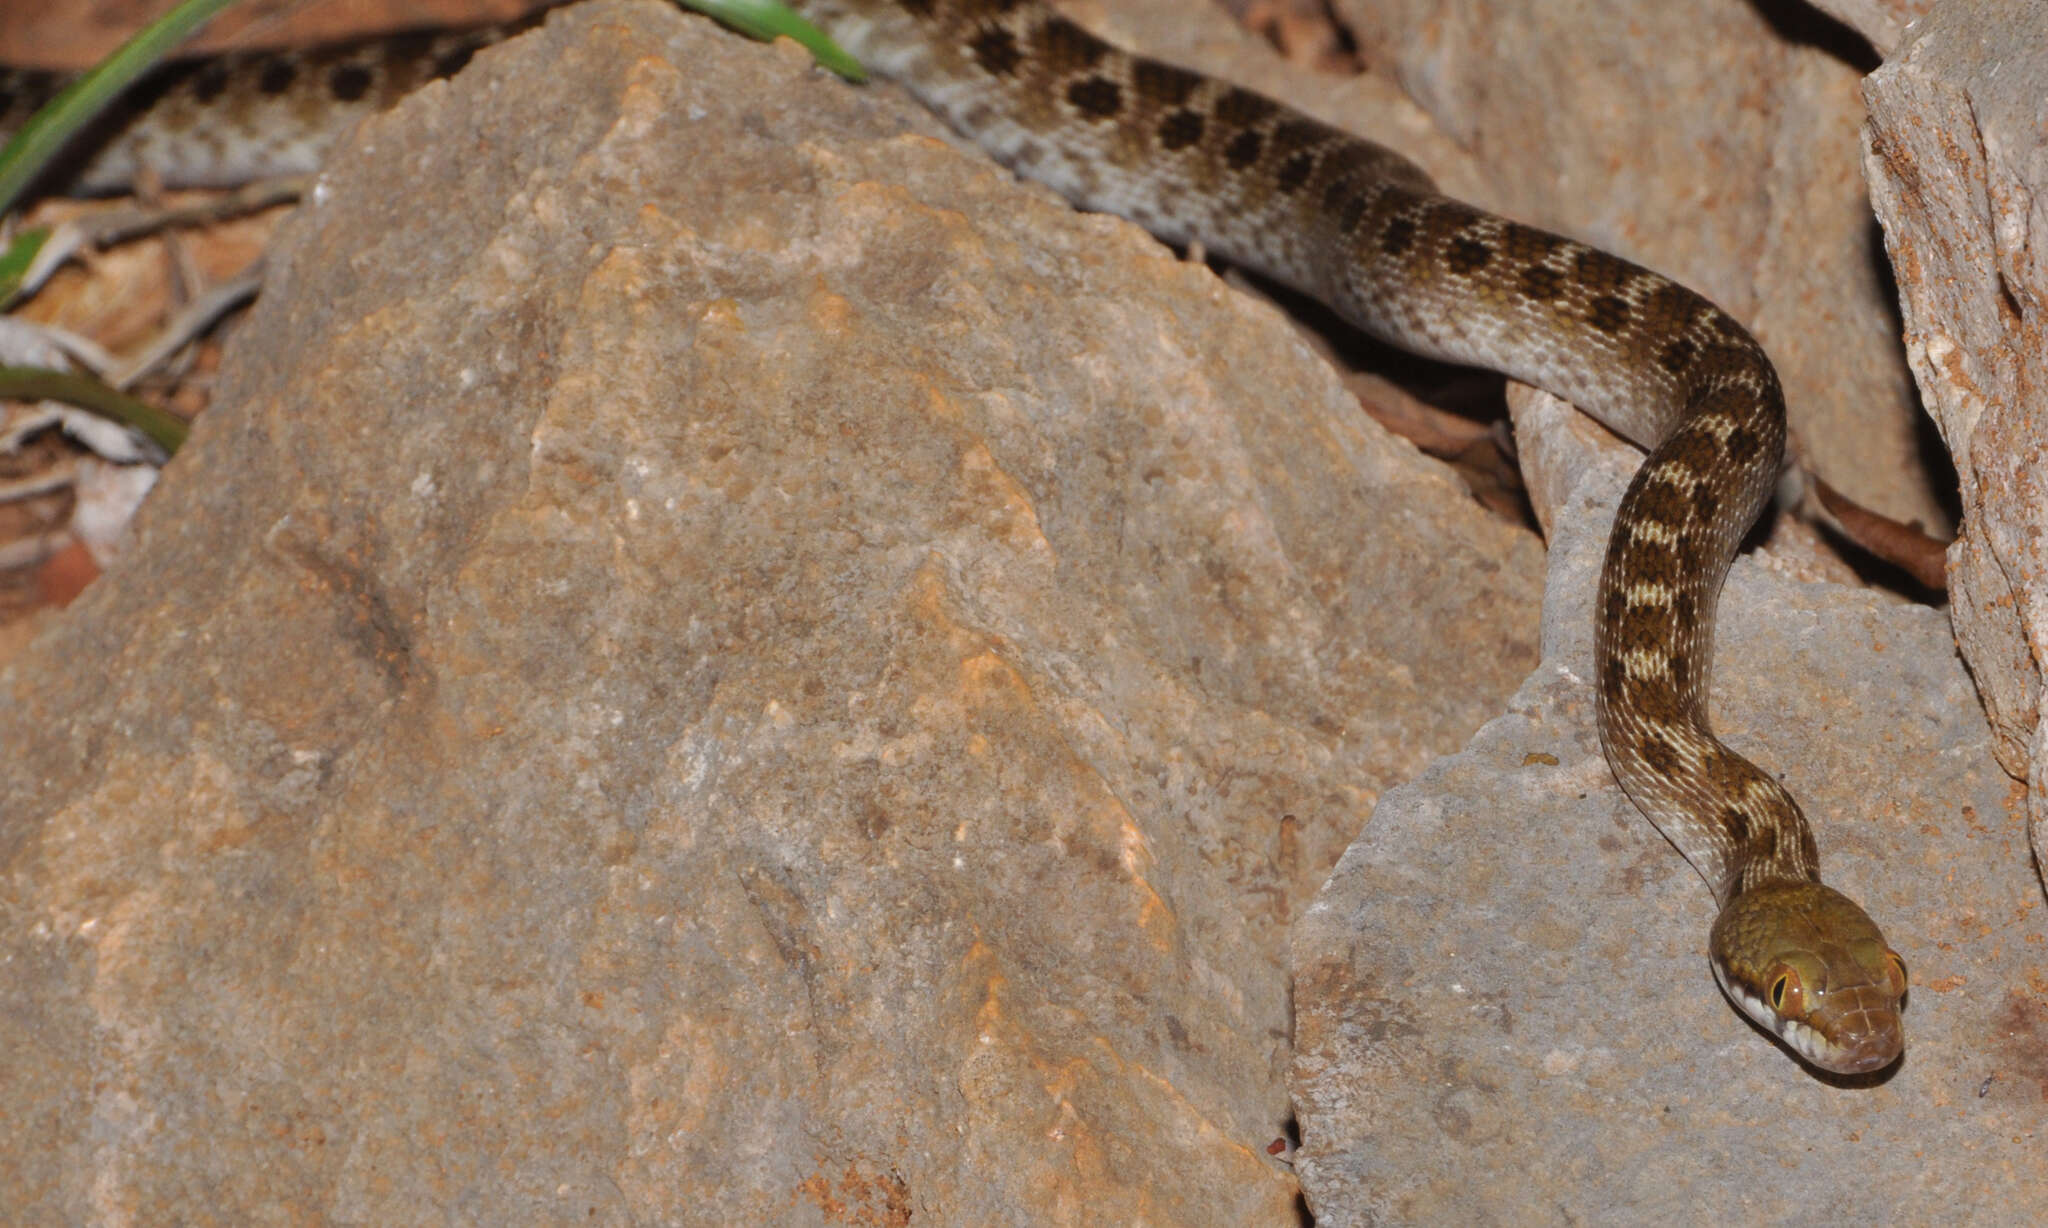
(1364, 230)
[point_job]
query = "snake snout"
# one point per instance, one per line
(1862, 1027)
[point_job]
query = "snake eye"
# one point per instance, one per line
(1785, 992)
(1895, 969)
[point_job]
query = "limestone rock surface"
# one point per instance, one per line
(1958, 168)
(716, 661)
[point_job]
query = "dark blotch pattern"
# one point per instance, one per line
(1096, 98)
(1608, 314)
(276, 75)
(995, 49)
(1614, 689)
(1736, 822)
(1542, 283)
(455, 60)
(1686, 608)
(1353, 214)
(1677, 356)
(1659, 754)
(1397, 236)
(349, 82)
(1467, 256)
(1294, 172)
(1661, 501)
(211, 80)
(1298, 136)
(1653, 560)
(153, 87)
(1243, 150)
(1616, 606)
(1643, 625)
(1180, 130)
(1742, 445)
(1342, 170)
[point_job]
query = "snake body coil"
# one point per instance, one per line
(1363, 229)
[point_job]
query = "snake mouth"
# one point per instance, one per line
(1863, 1063)
(1861, 1053)
(1860, 1050)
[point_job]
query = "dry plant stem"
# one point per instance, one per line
(28, 551)
(188, 324)
(114, 225)
(84, 351)
(49, 481)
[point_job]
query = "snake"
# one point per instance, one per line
(1198, 160)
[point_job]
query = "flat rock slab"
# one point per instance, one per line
(1504, 1009)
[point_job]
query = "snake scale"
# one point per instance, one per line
(1364, 230)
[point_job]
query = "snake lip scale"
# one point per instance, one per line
(1364, 230)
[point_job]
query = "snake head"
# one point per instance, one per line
(1805, 962)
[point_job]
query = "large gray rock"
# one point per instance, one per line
(718, 661)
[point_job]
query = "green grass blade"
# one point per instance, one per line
(167, 431)
(15, 261)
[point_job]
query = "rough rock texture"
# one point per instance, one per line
(717, 661)
(1504, 1012)
(1696, 137)
(1958, 172)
